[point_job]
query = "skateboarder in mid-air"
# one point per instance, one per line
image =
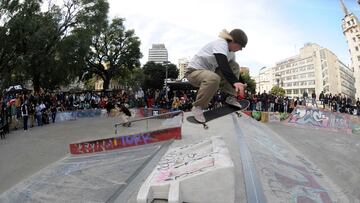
(214, 67)
(124, 114)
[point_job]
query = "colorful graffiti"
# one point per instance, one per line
(125, 141)
(301, 184)
(324, 119)
(289, 176)
(267, 116)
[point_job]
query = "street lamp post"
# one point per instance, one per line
(166, 77)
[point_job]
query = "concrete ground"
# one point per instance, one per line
(281, 156)
(24, 153)
(336, 154)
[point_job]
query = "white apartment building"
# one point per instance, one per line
(182, 64)
(264, 80)
(314, 69)
(351, 30)
(158, 53)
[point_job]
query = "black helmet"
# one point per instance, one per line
(239, 37)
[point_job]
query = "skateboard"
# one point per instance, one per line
(219, 112)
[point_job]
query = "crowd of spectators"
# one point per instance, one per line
(41, 109)
(337, 103)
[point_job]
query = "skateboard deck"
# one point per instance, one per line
(220, 112)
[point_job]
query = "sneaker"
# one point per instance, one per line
(198, 114)
(231, 100)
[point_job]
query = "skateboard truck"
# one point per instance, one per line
(205, 126)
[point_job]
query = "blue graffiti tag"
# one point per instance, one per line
(135, 139)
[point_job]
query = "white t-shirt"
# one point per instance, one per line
(205, 58)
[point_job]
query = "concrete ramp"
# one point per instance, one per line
(266, 167)
(324, 119)
(97, 177)
(285, 174)
(181, 174)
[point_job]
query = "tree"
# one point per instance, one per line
(251, 84)
(132, 78)
(278, 91)
(37, 40)
(155, 74)
(114, 51)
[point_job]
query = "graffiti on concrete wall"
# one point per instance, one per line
(322, 118)
(107, 144)
(274, 117)
(267, 116)
(181, 163)
(125, 141)
(300, 183)
(289, 177)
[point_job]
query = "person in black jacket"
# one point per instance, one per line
(214, 66)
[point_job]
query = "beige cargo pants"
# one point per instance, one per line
(209, 82)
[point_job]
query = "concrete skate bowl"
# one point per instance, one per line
(324, 119)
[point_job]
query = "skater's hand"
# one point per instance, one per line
(239, 88)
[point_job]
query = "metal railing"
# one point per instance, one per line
(147, 119)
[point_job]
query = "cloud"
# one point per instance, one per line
(185, 26)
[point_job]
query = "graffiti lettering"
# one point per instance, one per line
(322, 118)
(123, 141)
(304, 188)
(135, 139)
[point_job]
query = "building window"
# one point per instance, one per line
(354, 39)
(311, 75)
(357, 48)
(358, 57)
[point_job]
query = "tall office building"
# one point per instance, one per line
(182, 64)
(351, 30)
(314, 69)
(158, 53)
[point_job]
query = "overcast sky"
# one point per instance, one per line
(276, 28)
